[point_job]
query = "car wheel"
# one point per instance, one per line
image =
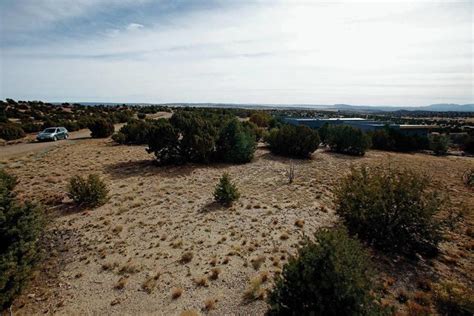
(55, 138)
(66, 136)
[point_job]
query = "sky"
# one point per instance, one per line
(410, 52)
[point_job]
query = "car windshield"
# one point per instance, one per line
(49, 130)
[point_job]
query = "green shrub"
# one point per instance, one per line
(20, 229)
(101, 128)
(439, 144)
(330, 276)
(467, 146)
(119, 138)
(236, 143)
(226, 192)
(391, 209)
(141, 116)
(293, 141)
(323, 133)
(382, 140)
(348, 140)
(90, 191)
(11, 131)
(30, 127)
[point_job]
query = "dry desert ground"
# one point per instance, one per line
(161, 246)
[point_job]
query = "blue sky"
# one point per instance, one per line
(413, 52)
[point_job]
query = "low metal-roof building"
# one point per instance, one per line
(361, 123)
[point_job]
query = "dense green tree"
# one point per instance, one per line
(236, 143)
(261, 119)
(347, 140)
(164, 142)
(293, 141)
(101, 128)
(198, 136)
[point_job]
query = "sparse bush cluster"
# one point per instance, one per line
(20, 229)
(347, 140)
(330, 276)
(88, 191)
(11, 131)
(454, 298)
(293, 141)
(193, 137)
(393, 140)
(261, 119)
(391, 209)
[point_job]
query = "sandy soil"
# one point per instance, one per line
(161, 232)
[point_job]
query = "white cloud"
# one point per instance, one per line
(134, 26)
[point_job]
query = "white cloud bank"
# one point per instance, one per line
(395, 53)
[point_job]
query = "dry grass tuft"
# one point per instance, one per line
(129, 268)
(186, 257)
(121, 283)
(201, 281)
(150, 283)
(109, 266)
(299, 223)
(176, 292)
(213, 262)
(264, 276)
(117, 229)
(210, 304)
(415, 309)
(254, 291)
(257, 262)
(214, 274)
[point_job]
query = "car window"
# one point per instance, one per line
(50, 130)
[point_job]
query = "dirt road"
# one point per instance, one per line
(12, 151)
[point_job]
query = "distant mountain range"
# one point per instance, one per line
(442, 107)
